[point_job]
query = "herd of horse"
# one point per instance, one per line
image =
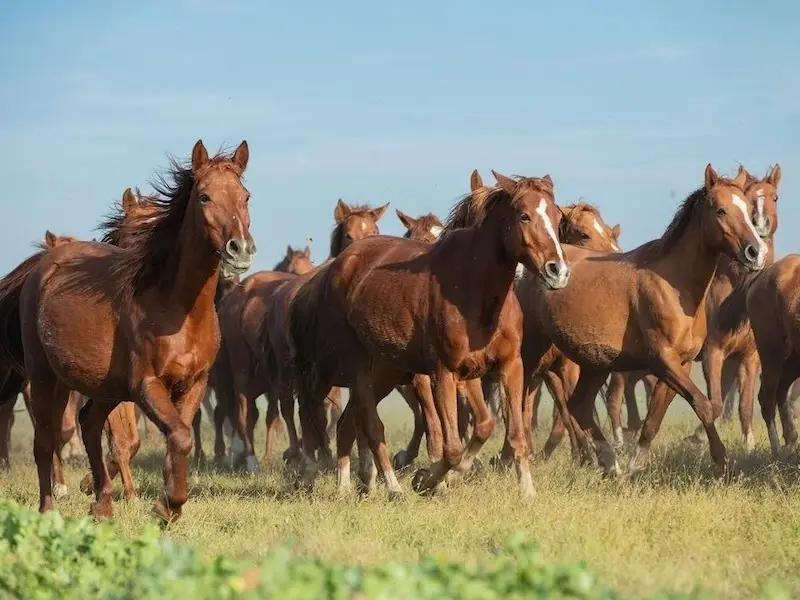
(466, 318)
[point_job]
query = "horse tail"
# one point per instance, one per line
(11, 352)
(732, 315)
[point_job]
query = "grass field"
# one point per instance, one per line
(674, 530)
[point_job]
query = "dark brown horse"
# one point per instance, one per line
(137, 323)
(645, 309)
(448, 301)
(352, 223)
(239, 374)
(770, 304)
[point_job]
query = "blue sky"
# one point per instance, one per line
(623, 103)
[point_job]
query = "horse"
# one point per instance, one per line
(449, 301)
(645, 309)
(582, 233)
(240, 314)
(135, 323)
(730, 355)
(769, 305)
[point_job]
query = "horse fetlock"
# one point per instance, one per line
(402, 460)
(749, 441)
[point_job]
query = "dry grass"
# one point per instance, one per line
(674, 529)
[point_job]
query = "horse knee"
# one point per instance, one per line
(453, 452)
(180, 441)
(484, 429)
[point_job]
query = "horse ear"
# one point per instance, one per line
(377, 213)
(407, 221)
(774, 175)
(508, 184)
(199, 156)
(307, 251)
(289, 250)
(241, 156)
(50, 239)
(341, 211)
(475, 181)
(741, 177)
(548, 180)
(711, 177)
(128, 201)
(615, 231)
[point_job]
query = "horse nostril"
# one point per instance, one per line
(233, 248)
(551, 269)
(750, 253)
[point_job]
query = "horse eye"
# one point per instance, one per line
(247, 199)
(721, 212)
(525, 218)
(776, 197)
(204, 199)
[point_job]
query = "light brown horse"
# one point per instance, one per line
(645, 309)
(448, 301)
(137, 323)
(352, 223)
(771, 303)
(731, 355)
(239, 373)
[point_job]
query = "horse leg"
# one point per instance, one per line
(197, 429)
(581, 405)
(678, 377)
(776, 378)
(286, 399)
(334, 401)
(6, 422)
(615, 395)
(244, 419)
(122, 433)
(748, 371)
(557, 428)
(660, 400)
(406, 457)
(729, 377)
(631, 406)
(173, 420)
(464, 412)
(787, 413)
(93, 418)
(311, 396)
(220, 415)
(536, 402)
(530, 408)
(484, 425)
(273, 423)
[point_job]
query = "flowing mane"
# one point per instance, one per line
(473, 208)
(151, 236)
(336, 234)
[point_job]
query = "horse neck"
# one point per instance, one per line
(690, 265)
(489, 268)
(191, 277)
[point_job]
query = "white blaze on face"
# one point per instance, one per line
(363, 226)
(761, 218)
(541, 210)
(520, 271)
(599, 229)
(762, 247)
(436, 231)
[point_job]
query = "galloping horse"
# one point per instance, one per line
(137, 323)
(448, 302)
(645, 309)
(352, 223)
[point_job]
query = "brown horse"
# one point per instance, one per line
(352, 223)
(449, 300)
(645, 309)
(730, 355)
(770, 302)
(137, 323)
(583, 233)
(241, 313)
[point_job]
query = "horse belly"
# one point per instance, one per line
(78, 335)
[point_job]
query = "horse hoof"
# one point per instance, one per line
(251, 464)
(87, 485)
(396, 495)
(60, 490)
(501, 463)
(402, 460)
(101, 510)
(165, 515)
(421, 480)
(721, 472)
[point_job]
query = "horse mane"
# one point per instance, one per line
(283, 264)
(473, 208)
(680, 222)
(568, 230)
(336, 234)
(425, 222)
(151, 237)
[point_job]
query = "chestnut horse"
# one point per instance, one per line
(770, 303)
(237, 387)
(352, 223)
(645, 309)
(730, 355)
(387, 308)
(137, 323)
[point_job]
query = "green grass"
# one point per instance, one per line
(676, 529)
